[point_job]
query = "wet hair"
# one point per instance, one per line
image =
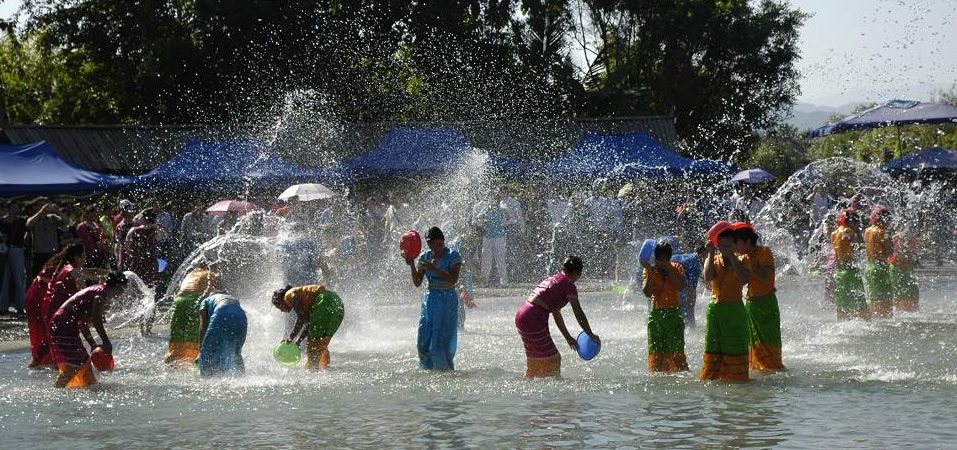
(727, 233)
(69, 253)
(116, 278)
(663, 250)
(279, 294)
(434, 234)
(746, 235)
(573, 264)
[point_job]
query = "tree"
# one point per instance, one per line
(724, 69)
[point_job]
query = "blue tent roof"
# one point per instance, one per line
(894, 112)
(933, 158)
(629, 156)
(37, 168)
(230, 165)
(411, 151)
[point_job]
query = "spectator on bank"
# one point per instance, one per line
(13, 226)
(43, 228)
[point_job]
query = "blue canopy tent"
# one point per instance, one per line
(411, 152)
(516, 168)
(933, 159)
(38, 169)
(635, 155)
(230, 165)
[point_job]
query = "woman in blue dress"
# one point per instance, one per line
(222, 326)
(438, 332)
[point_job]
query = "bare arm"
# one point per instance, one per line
(202, 326)
(708, 270)
(560, 323)
(298, 329)
(739, 269)
(416, 274)
(101, 330)
(580, 316)
(647, 286)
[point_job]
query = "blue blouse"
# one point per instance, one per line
(449, 258)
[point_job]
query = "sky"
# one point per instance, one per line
(861, 50)
(874, 50)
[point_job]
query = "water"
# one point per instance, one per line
(882, 384)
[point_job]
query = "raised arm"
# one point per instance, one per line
(707, 271)
(417, 275)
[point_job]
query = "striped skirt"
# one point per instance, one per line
(542, 357)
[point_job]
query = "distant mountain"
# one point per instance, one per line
(807, 116)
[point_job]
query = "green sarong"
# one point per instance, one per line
(904, 283)
(666, 331)
(764, 320)
(326, 316)
(878, 277)
(184, 323)
(849, 290)
(726, 330)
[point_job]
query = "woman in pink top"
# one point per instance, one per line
(548, 298)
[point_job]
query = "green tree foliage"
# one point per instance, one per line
(723, 68)
(782, 151)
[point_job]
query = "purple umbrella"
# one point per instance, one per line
(753, 176)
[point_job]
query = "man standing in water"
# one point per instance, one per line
(877, 272)
(848, 286)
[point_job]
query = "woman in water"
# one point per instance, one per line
(547, 299)
(140, 250)
(438, 322)
(37, 303)
(848, 286)
(726, 330)
(73, 319)
(663, 282)
(222, 333)
(320, 309)
(877, 272)
(905, 290)
(184, 326)
(764, 316)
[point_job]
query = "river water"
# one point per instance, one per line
(884, 384)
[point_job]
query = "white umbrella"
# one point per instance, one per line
(306, 192)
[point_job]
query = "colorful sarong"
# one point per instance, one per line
(37, 326)
(666, 341)
(541, 355)
(83, 378)
(438, 329)
(849, 294)
(725, 342)
(222, 350)
(68, 350)
(879, 288)
(906, 291)
(183, 330)
(324, 320)
(764, 328)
